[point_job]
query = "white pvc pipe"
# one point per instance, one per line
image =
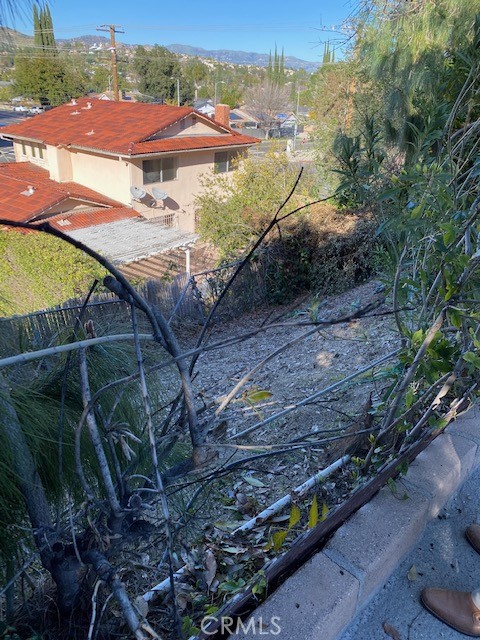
(298, 492)
(164, 586)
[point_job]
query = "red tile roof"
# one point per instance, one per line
(185, 143)
(118, 127)
(16, 205)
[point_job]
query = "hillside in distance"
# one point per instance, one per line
(240, 57)
(11, 39)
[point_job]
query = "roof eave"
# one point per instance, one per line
(16, 138)
(226, 146)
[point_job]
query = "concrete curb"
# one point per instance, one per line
(323, 596)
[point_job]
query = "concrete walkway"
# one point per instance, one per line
(441, 558)
(373, 569)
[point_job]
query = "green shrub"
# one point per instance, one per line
(39, 271)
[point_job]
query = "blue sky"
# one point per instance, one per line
(301, 27)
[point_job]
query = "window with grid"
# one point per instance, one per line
(225, 161)
(160, 170)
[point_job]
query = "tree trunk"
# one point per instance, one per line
(63, 567)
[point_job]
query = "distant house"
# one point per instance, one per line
(205, 106)
(242, 119)
(92, 161)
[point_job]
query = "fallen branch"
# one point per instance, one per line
(318, 394)
(71, 346)
(109, 576)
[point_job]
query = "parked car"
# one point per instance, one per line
(20, 108)
(36, 110)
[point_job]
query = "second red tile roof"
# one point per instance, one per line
(17, 205)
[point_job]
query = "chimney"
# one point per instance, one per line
(222, 114)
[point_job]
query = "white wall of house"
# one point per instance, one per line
(59, 163)
(108, 175)
(31, 152)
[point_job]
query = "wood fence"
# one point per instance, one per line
(186, 298)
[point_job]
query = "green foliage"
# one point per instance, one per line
(6, 94)
(327, 94)
(39, 271)
(36, 394)
(360, 160)
(415, 56)
(231, 96)
(234, 208)
(49, 79)
(100, 78)
(157, 70)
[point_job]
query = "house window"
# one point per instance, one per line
(37, 151)
(160, 170)
(24, 149)
(225, 161)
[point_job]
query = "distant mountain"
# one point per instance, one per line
(9, 39)
(240, 57)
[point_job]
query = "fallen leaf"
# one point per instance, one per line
(278, 539)
(391, 631)
(294, 517)
(313, 513)
(412, 574)
(231, 549)
(142, 606)
(258, 396)
(324, 512)
(255, 482)
(210, 567)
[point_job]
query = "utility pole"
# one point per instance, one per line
(295, 127)
(113, 29)
(178, 89)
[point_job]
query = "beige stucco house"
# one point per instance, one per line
(142, 159)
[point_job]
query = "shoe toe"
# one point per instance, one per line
(472, 533)
(455, 608)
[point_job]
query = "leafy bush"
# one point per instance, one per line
(234, 208)
(323, 251)
(39, 271)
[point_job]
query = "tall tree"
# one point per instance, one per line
(47, 29)
(47, 78)
(37, 30)
(157, 70)
(267, 100)
(408, 50)
(327, 57)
